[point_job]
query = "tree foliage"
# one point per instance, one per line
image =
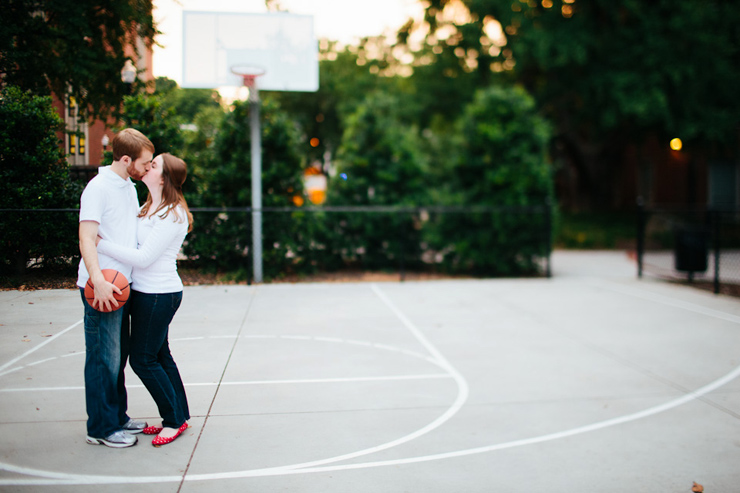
(34, 174)
(149, 114)
(186, 103)
(608, 73)
(224, 240)
(347, 76)
(667, 66)
(379, 162)
(501, 165)
(77, 47)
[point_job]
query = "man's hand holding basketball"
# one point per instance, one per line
(104, 290)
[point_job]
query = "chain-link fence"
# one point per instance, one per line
(477, 241)
(695, 245)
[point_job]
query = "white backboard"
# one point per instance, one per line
(282, 44)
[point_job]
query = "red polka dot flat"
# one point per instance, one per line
(152, 430)
(158, 440)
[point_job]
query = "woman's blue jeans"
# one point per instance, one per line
(106, 351)
(150, 356)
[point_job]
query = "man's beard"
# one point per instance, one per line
(134, 173)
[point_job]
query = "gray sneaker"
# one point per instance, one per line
(119, 439)
(132, 426)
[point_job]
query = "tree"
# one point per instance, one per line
(379, 162)
(186, 103)
(148, 114)
(73, 47)
(501, 166)
(199, 150)
(611, 72)
(223, 240)
(34, 174)
(347, 76)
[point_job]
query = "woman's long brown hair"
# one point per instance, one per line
(174, 172)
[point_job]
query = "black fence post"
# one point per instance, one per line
(641, 220)
(250, 248)
(401, 238)
(548, 236)
(716, 218)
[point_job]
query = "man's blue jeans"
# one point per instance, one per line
(106, 348)
(151, 315)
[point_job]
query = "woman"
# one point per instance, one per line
(156, 291)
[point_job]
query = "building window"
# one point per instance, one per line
(71, 107)
(76, 133)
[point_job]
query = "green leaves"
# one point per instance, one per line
(610, 74)
(34, 174)
(76, 46)
(501, 162)
(149, 114)
(223, 240)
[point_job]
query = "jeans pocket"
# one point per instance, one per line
(91, 316)
(176, 300)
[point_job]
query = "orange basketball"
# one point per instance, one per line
(115, 277)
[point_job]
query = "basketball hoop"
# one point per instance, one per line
(249, 74)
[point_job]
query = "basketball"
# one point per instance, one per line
(115, 277)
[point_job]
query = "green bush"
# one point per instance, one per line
(149, 114)
(223, 241)
(379, 163)
(34, 175)
(500, 165)
(596, 230)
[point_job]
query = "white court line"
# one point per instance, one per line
(540, 439)
(49, 389)
(344, 380)
(439, 360)
(431, 376)
(64, 478)
(665, 300)
(40, 345)
(42, 361)
(3, 373)
(260, 382)
(462, 396)
(11, 370)
(354, 342)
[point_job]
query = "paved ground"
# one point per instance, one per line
(662, 263)
(590, 381)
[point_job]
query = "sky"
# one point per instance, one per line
(339, 20)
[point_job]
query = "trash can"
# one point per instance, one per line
(691, 249)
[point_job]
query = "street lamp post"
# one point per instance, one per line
(128, 75)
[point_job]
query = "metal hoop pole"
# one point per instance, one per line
(256, 149)
(256, 145)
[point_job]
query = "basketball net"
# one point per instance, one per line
(249, 80)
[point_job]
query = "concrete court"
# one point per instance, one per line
(589, 381)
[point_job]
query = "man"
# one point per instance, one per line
(108, 207)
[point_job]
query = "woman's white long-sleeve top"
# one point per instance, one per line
(155, 261)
